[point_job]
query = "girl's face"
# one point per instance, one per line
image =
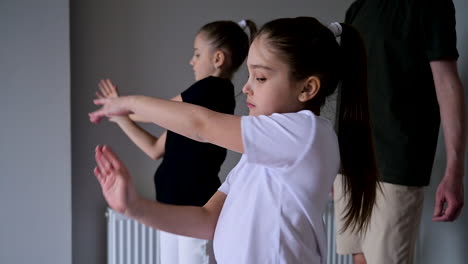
(269, 88)
(203, 58)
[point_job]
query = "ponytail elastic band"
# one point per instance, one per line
(336, 28)
(242, 24)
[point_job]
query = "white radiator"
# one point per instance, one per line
(130, 242)
(332, 257)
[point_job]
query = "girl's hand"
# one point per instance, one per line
(115, 180)
(108, 90)
(110, 107)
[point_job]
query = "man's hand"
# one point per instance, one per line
(449, 199)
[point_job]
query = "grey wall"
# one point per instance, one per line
(35, 175)
(145, 47)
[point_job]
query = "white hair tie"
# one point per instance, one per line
(242, 24)
(336, 28)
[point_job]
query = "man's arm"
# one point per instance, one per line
(449, 89)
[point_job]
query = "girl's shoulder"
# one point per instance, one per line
(212, 84)
(303, 120)
(211, 92)
(302, 115)
(285, 139)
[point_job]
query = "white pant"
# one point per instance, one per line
(175, 249)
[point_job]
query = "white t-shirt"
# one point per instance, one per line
(277, 193)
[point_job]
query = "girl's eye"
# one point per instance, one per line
(261, 79)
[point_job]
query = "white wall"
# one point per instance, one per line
(145, 46)
(35, 175)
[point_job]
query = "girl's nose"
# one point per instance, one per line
(247, 89)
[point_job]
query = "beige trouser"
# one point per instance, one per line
(393, 229)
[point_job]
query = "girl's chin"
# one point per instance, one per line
(252, 112)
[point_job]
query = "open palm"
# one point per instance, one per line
(107, 89)
(117, 186)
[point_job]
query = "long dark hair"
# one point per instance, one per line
(311, 49)
(232, 39)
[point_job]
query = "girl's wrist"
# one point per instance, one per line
(135, 209)
(129, 102)
(121, 120)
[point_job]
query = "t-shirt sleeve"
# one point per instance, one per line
(439, 34)
(278, 140)
(351, 13)
(196, 93)
(226, 185)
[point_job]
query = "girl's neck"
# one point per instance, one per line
(315, 110)
(222, 75)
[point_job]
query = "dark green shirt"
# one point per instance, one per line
(402, 37)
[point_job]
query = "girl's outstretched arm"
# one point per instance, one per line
(120, 194)
(153, 146)
(192, 121)
(140, 119)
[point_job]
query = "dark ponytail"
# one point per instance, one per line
(232, 39)
(354, 133)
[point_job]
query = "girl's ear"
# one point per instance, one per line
(219, 59)
(310, 89)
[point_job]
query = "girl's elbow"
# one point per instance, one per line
(209, 233)
(153, 157)
(210, 236)
(199, 129)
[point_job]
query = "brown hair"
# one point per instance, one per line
(229, 37)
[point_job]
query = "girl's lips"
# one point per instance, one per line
(249, 105)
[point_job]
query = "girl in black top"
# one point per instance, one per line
(188, 174)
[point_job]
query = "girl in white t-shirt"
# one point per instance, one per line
(269, 209)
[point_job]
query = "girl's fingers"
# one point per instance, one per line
(98, 149)
(101, 178)
(103, 87)
(111, 88)
(101, 101)
(93, 119)
(108, 89)
(103, 163)
(108, 86)
(111, 157)
(116, 90)
(99, 163)
(99, 96)
(103, 92)
(96, 117)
